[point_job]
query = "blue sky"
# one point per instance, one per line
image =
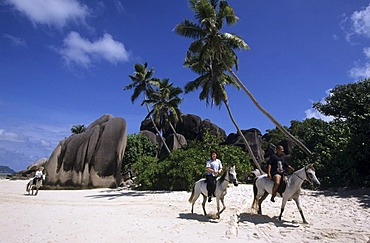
(65, 62)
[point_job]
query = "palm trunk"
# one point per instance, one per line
(277, 124)
(156, 128)
(174, 132)
(244, 139)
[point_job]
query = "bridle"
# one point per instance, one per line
(307, 177)
(228, 172)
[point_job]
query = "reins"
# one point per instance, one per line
(223, 177)
(307, 177)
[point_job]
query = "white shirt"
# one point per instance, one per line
(38, 174)
(214, 165)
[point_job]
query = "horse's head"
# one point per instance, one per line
(311, 175)
(232, 175)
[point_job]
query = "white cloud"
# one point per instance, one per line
(11, 136)
(53, 13)
(361, 71)
(360, 26)
(312, 113)
(367, 52)
(45, 143)
(22, 144)
(15, 40)
(361, 22)
(83, 52)
(119, 7)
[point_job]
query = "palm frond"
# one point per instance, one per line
(189, 29)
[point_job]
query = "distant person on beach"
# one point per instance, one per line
(214, 168)
(38, 175)
(276, 168)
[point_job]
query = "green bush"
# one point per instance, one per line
(137, 147)
(183, 167)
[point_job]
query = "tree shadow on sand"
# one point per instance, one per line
(112, 194)
(264, 219)
(362, 194)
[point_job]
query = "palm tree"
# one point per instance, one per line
(142, 82)
(213, 81)
(165, 102)
(77, 129)
(212, 46)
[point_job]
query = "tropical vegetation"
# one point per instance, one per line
(183, 167)
(340, 149)
(77, 129)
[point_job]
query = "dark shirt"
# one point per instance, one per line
(278, 164)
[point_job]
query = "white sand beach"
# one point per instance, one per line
(112, 215)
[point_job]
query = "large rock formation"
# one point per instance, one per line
(30, 171)
(173, 142)
(254, 138)
(213, 129)
(189, 126)
(90, 159)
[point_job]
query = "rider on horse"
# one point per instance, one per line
(277, 166)
(214, 168)
(38, 175)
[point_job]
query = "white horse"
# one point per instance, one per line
(31, 186)
(200, 187)
(262, 186)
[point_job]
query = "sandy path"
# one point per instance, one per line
(111, 215)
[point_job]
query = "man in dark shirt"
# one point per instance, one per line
(277, 165)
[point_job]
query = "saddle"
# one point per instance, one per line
(36, 180)
(282, 185)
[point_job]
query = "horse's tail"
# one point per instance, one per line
(255, 191)
(28, 187)
(192, 195)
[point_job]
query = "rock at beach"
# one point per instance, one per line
(189, 126)
(90, 159)
(254, 138)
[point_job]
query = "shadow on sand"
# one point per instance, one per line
(363, 194)
(198, 217)
(112, 194)
(264, 219)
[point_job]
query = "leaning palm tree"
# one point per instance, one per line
(211, 45)
(213, 81)
(142, 82)
(165, 102)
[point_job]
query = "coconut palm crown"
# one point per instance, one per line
(213, 52)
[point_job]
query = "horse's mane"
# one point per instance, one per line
(310, 166)
(222, 178)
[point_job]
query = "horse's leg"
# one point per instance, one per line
(300, 209)
(223, 205)
(37, 190)
(218, 207)
(282, 207)
(204, 204)
(193, 198)
(260, 202)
